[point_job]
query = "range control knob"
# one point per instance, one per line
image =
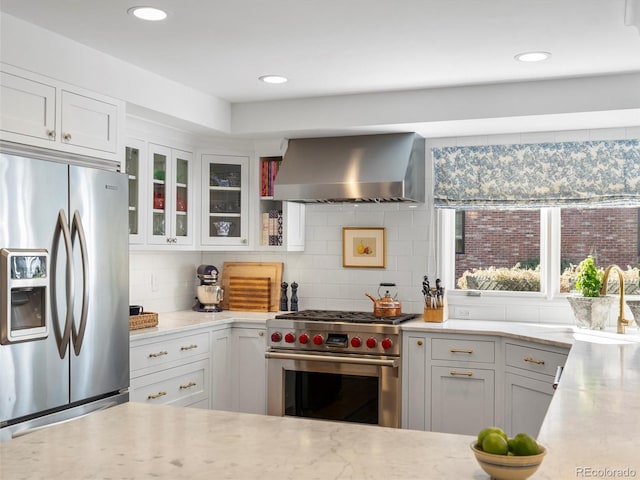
(303, 338)
(276, 336)
(356, 342)
(386, 343)
(371, 342)
(318, 340)
(289, 338)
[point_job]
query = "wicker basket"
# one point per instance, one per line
(144, 320)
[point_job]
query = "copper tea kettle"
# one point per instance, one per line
(387, 305)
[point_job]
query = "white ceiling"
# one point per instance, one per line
(330, 47)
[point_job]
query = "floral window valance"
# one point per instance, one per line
(600, 173)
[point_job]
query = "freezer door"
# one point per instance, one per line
(33, 377)
(98, 211)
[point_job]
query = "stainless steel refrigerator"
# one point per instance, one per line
(64, 292)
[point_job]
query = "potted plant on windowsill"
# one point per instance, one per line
(590, 309)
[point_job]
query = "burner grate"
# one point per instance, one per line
(343, 316)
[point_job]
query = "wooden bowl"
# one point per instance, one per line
(508, 467)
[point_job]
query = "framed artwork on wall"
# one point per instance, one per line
(364, 247)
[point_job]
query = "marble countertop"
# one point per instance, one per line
(134, 441)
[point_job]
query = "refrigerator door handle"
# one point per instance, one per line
(62, 228)
(76, 228)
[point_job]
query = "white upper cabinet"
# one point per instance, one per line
(88, 122)
(170, 197)
(42, 112)
(135, 160)
(225, 201)
(27, 107)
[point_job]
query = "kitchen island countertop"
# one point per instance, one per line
(133, 441)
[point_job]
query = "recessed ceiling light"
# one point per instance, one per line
(532, 56)
(148, 13)
(273, 79)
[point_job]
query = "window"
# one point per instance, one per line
(503, 247)
(501, 251)
(609, 235)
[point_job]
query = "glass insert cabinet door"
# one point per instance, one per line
(225, 212)
(170, 197)
(181, 213)
(135, 168)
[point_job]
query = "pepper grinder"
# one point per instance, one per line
(294, 297)
(283, 297)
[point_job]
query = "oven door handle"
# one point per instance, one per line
(327, 358)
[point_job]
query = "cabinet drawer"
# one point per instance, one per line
(183, 385)
(469, 350)
(533, 359)
(169, 350)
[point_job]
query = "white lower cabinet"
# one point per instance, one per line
(414, 383)
(459, 383)
(186, 385)
(221, 391)
(529, 374)
(526, 403)
(239, 370)
(171, 369)
(462, 399)
(250, 379)
(221, 368)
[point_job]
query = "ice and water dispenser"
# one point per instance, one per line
(24, 295)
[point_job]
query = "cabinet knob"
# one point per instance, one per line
(261, 334)
(51, 134)
(419, 342)
(66, 137)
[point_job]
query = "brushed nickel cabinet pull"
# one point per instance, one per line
(156, 395)
(51, 134)
(188, 385)
(189, 347)
(533, 360)
(159, 354)
(466, 374)
(457, 350)
(66, 137)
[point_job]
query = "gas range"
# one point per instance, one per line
(333, 331)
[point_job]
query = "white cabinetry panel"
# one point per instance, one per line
(463, 399)
(88, 122)
(27, 107)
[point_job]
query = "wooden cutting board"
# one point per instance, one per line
(271, 270)
(252, 294)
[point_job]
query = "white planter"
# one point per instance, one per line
(591, 312)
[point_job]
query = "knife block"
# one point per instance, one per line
(438, 314)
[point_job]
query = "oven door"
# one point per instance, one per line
(361, 389)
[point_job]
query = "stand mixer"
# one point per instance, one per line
(209, 295)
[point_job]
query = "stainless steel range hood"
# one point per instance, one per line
(364, 168)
